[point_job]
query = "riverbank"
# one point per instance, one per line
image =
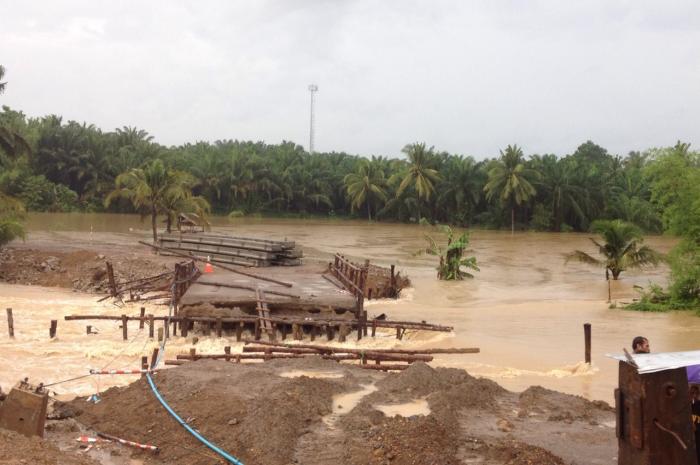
(316, 412)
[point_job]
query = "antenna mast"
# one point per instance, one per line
(312, 89)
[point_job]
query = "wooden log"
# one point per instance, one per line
(175, 362)
(166, 329)
(88, 329)
(53, 328)
(151, 325)
(141, 320)
(110, 278)
(394, 367)
(219, 327)
(282, 350)
(587, 342)
(125, 328)
(160, 334)
(331, 349)
(228, 268)
(10, 323)
(154, 358)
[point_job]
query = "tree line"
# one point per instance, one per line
(52, 165)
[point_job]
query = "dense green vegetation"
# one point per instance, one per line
(621, 248)
(71, 166)
(452, 257)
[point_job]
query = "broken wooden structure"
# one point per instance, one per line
(296, 327)
(270, 350)
(653, 417)
(168, 285)
(245, 251)
(369, 281)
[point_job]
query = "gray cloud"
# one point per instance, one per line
(468, 77)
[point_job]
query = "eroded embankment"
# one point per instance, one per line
(284, 412)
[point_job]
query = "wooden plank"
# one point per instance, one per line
(227, 242)
(218, 249)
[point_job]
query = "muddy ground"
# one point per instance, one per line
(282, 412)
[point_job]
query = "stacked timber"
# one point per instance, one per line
(245, 251)
(272, 350)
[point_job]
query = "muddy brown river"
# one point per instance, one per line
(525, 309)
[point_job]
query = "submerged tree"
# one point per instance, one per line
(510, 181)
(621, 248)
(153, 190)
(452, 257)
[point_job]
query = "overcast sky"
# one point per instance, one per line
(468, 77)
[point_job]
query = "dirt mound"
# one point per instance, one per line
(282, 412)
(557, 406)
(81, 270)
(16, 449)
(245, 409)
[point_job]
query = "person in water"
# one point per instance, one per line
(640, 345)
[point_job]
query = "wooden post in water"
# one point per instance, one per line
(144, 365)
(342, 332)
(154, 358)
(160, 334)
(125, 328)
(184, 327)
(88, 329)
(110, 277)
(52, 329)
(587, 338)
(150, 325)
(10, 323)
(141, 321)
(219, 327)
(227, 351)
(239, 331)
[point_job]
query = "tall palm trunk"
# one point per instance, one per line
(369, 211)
(154, 215)
(512, 220)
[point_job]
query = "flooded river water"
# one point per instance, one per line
(525, 309)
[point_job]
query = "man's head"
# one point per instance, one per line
(640, 345)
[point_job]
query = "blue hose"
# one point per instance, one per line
(202, 439)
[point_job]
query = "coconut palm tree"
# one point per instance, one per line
(150, 188)
(364, 186)
(510, 181)
(420, 173)
(621, 249)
